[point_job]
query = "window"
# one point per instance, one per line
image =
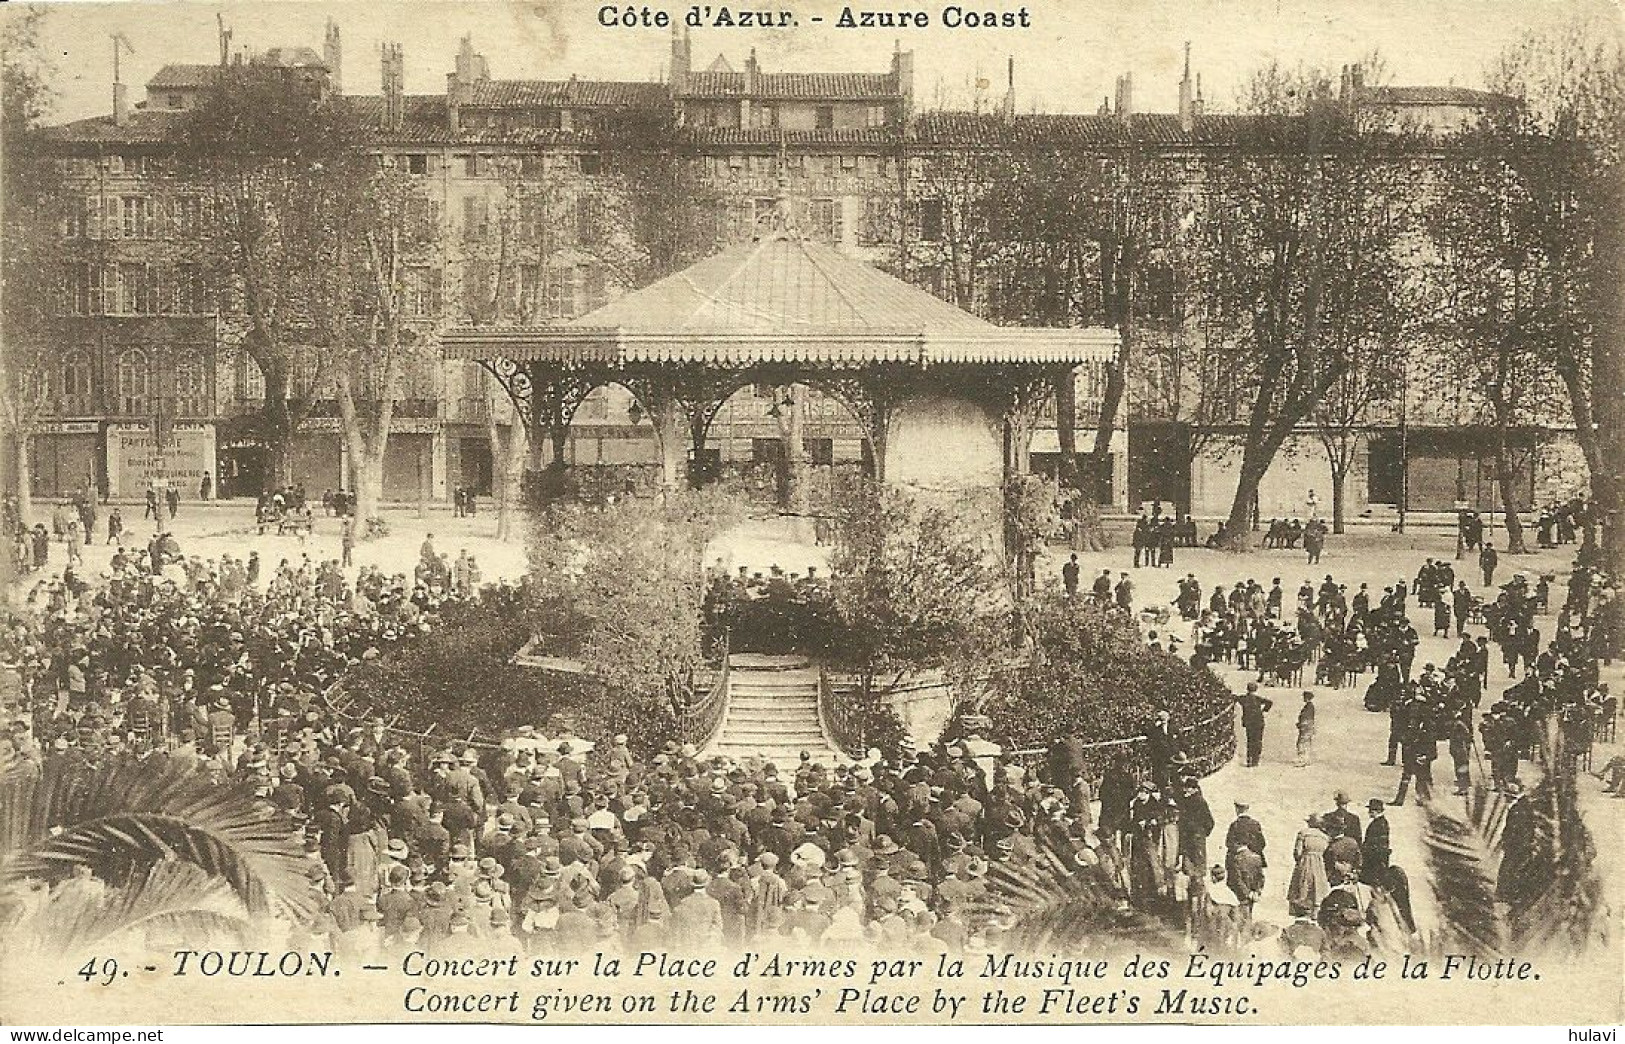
(74, 298)
(134, 381)
(594, 287)
(533, 219)
(137, 289)
(420, 289)
(77, 385)
(849, 164)
(253, 379)
(417, 163)
(188, 217)
(189, 296)
(824, 117)
(767, 116)
(115, 164)
(476, 217)
(137, 213)
(875, 222)
(478, 280)
(875, 116)
(558, 293)
(586, 221)
(175, 101)
(820, 451)
(189, 388)
(76, 221)
(766, 451)
(931, 220)
(824, 219)
(471, 165)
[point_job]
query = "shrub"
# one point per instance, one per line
(1097, 679)
(459, 680)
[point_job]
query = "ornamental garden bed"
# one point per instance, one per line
(1098, 680)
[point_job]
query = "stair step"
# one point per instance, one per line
(794, 734)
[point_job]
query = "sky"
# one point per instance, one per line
(1067, 61)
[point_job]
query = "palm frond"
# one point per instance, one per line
(137, 814)
(1463, 854)
(1565, 913)
(172, 896)
(1053, 907)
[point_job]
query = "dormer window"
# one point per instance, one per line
(176, 101)
(824, 117)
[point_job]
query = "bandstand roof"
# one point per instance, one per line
(780, 299)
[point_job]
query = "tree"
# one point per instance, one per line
(387, 225)
(28, 267)
(1502, 309)
(912, 590)
(1570, 87)
(1374, 377)
(1300, 245)
(277, 165)
(176, 851)
(642, 636)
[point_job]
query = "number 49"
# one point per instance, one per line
(106, 968)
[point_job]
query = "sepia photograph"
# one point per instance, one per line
(577, 514)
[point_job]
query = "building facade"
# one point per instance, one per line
(548, 204)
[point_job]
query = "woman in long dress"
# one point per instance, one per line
(1309, 884)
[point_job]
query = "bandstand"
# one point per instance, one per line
(947, 401)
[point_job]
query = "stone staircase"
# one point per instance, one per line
(772, 711)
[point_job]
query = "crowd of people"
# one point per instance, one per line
(547, 843)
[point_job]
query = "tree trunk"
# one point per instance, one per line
(276, 425)
(1238, 528)
(1509, 496)
(23, 477)
(367, 474)
(1340, 474)
(1608, 371)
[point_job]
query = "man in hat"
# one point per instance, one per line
(1340, 820)
(1375, 849)
(697, 918)
(1160, 747)
(1254, 705)
(1244, 830)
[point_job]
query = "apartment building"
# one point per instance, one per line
(539, 223)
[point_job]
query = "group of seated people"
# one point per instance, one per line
(774, 612)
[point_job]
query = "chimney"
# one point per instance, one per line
(1199, 105)
(1009, 105)
(121, 104)
(1187, 95)
(679, 60)
(1125, 96)
(902, 71)
(333, 58)
(753, 77)
(471, 70)
(394, 86)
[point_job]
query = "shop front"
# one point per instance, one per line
(136, 461)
